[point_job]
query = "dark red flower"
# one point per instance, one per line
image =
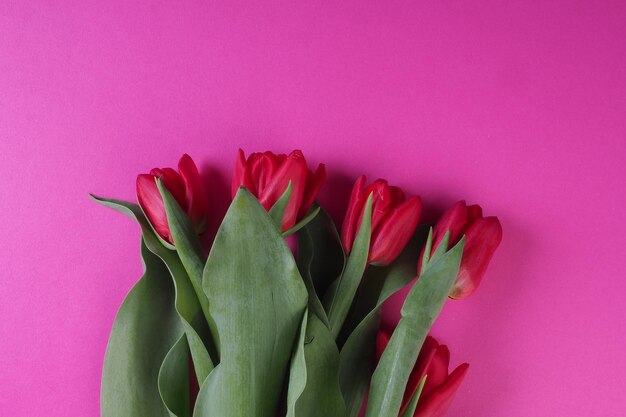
(394, 219)
(266, 175)
(482, 237)
(185, 186)
(440, 387)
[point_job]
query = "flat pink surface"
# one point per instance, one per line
(519, 106)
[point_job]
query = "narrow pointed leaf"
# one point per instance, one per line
(277, 212)
(349, 281)
(191, 255)
(409, 411)
(358, 352)
(306, 220)
(422, 305)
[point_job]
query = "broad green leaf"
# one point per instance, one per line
(257, 299)
(348, 282)
(422, 305)
(174, 379)
(145, 328)
(358, 352)
(277, 212)
(409, 411)
(321, 395)
(186, 304)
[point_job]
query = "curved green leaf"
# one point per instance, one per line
(192, 257)
(358, 352)
(409, 411)
(257, 299)
(326, 249)
(302, 223)
(421, 307)
(186, 302)
(145, 328)
(306, 257)
(174, 379)
(277, 212)
(321, 395)
(348, 282)
(297, 370)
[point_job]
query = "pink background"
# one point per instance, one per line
(519, 106)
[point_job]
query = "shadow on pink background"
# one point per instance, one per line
(519, 106)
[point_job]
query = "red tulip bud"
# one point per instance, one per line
(187, 189)
(433, 361)
(394, 219)
(267, 176)
(482, 237)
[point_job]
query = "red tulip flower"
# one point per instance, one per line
(482, 237)
(267, 176)
(433, 361)
(187, 189)
(394, 219)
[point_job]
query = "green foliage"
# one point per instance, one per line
(257, 300)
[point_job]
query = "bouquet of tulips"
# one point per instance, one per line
(278, 313)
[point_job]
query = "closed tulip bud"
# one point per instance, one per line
(394, 219)
(440, 387)
(267, 175)
(186, 187)
(482, 237)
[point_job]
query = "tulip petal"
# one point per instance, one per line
(454, 220)
(152, 204)
(483, 238)
(394, 233)
(196, 195)
(293, 169)
(382, 203)
(239, 175)
(353, 214)
(314, 183)
(438, 402)
(175, 185)
(437, 370)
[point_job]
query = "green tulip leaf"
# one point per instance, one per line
(297, 370)
(321, 241)
(409, 411)
(186, 302)
(420, 309)
(358, 352)
(314, 374)
(348, 282)
(306, 220)
(174, 379)
(277, 212)
(257, 299)
(145, 328)
(306, 258)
